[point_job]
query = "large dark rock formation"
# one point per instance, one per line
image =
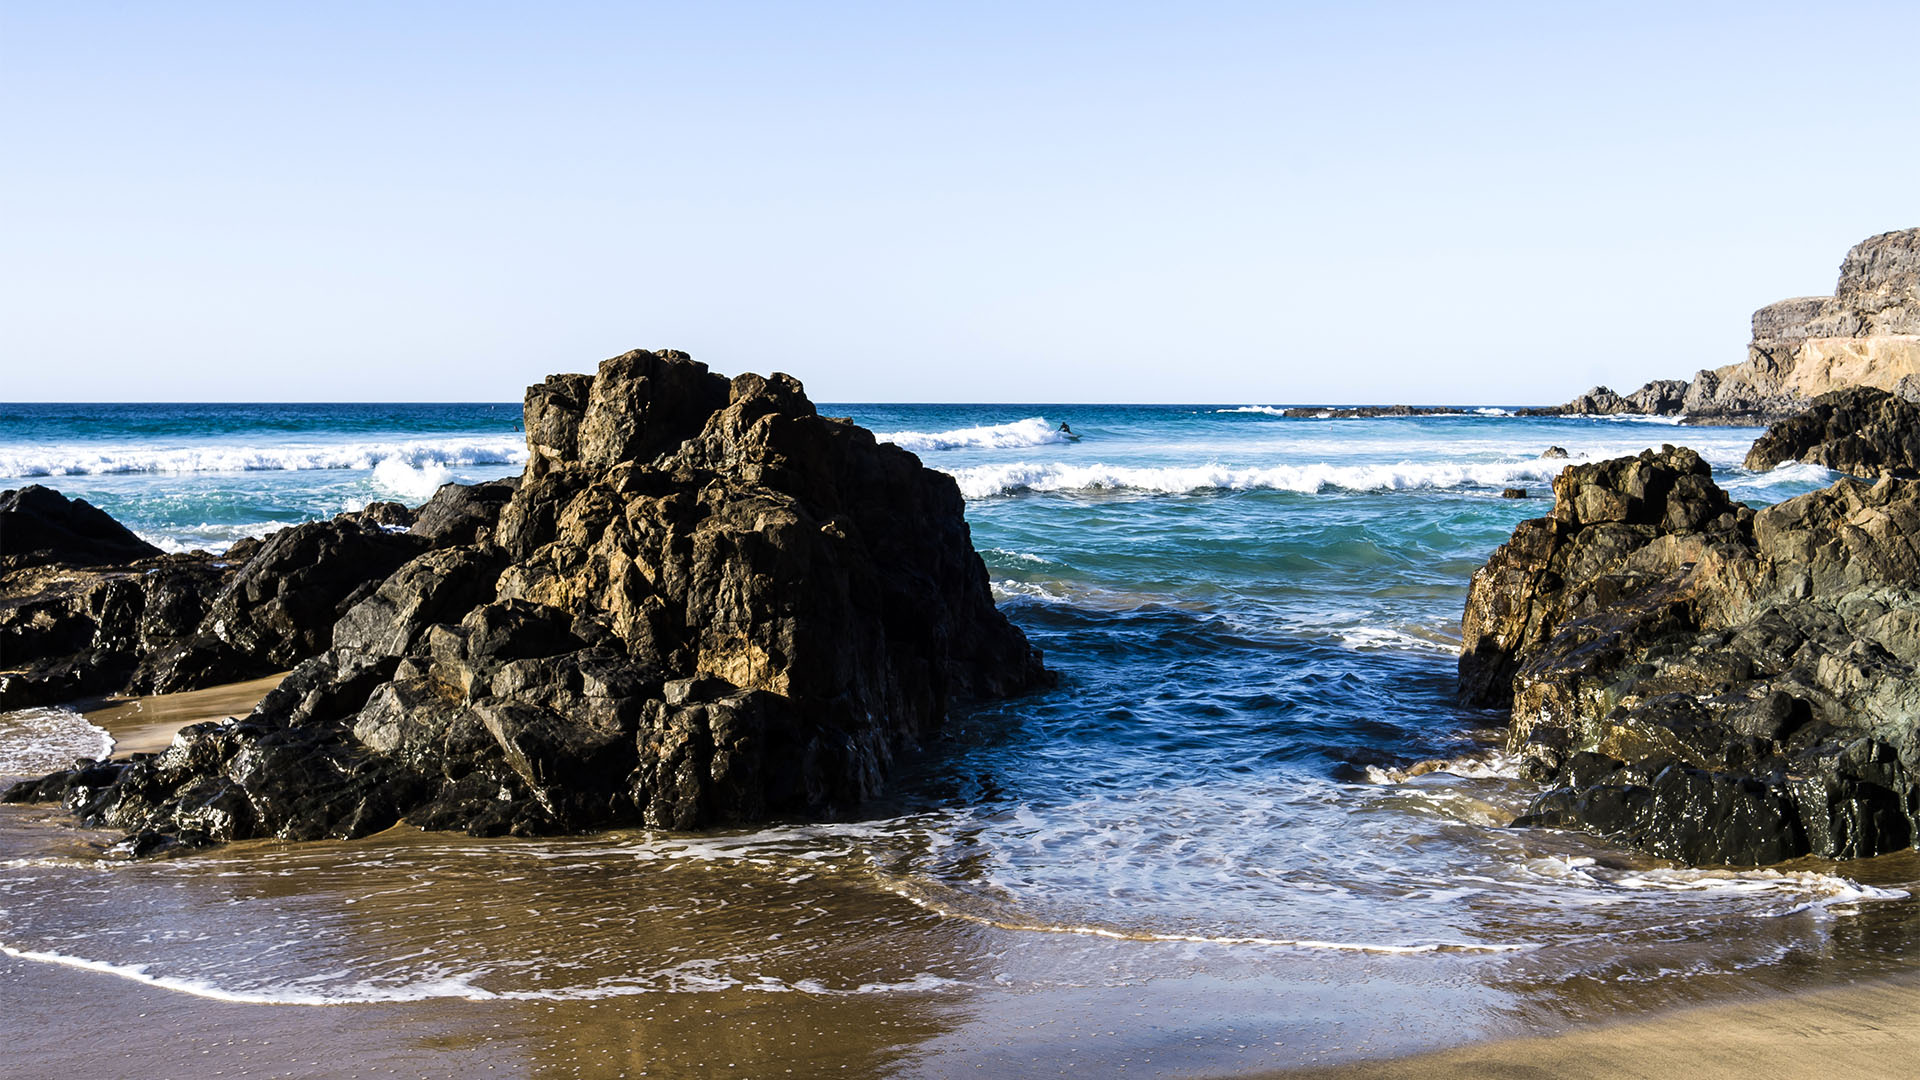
(87, 608)
(1703, 681)
(703, 603)
(1858, 430)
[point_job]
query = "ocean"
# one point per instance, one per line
(1250, 827)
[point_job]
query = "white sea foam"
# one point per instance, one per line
(1019, 925)
(414, 483)
(1791, 472)
(1264, 410)
(986, 481)
(1033, 431)
(207, 536)
(1488, 765)
(1811, 888)
(92, 460)
(436, 983)
(1380, 637)
(36, 741)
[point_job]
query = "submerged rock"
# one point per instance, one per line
(1703, 681)
(703, 603)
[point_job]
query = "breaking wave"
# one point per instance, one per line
(1033, 431)
(987, 481)
(78, 460)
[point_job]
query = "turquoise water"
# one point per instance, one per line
(1255, 621)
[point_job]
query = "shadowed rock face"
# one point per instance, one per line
(704, 603)
(1702, 681)
(87, 608)
(1858, 430)
(41, 527)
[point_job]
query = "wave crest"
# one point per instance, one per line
(79, 460)
(1033, 431)
(987, 481)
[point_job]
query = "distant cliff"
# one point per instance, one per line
(1866, 334)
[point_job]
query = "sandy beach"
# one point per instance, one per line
(144, 725)
(1866, 1031)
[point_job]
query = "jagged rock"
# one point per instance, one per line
(88, 609)
(1554, 452)
(1858, 430)
(1866, 334)
(1513, 493)
(703, 603)
(1661, 397)
(1705, 682)
(40, 527)
(280, 607)
(464, 513)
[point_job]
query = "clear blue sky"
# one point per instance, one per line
(1018, 202)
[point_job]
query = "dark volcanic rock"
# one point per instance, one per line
(40, 527)
(1661, 397)
(704, 603)
(280, 607)
(1858, 430)
(1705, 682)
(77, 618)
(464, 513)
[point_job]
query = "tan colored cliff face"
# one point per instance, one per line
(1828, 363)
(1866, 334)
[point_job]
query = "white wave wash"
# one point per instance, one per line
(1033, 431)
(36, 741)
(987, 481)
(77, 460)
(429, 986)
(415, 483)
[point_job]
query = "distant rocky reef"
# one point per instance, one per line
(1866, 334)
(703, 603)
(1707, 682)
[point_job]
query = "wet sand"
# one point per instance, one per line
(1868, 1032)
(1074, 1006)
(144, 725)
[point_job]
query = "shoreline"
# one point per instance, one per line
(146, 725)
(1860, 1031)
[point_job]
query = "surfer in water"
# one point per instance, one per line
(1067, 431)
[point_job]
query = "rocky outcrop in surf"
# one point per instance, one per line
(1660, 397)
(1859, 430)
(1703, 681)
(703, 603)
